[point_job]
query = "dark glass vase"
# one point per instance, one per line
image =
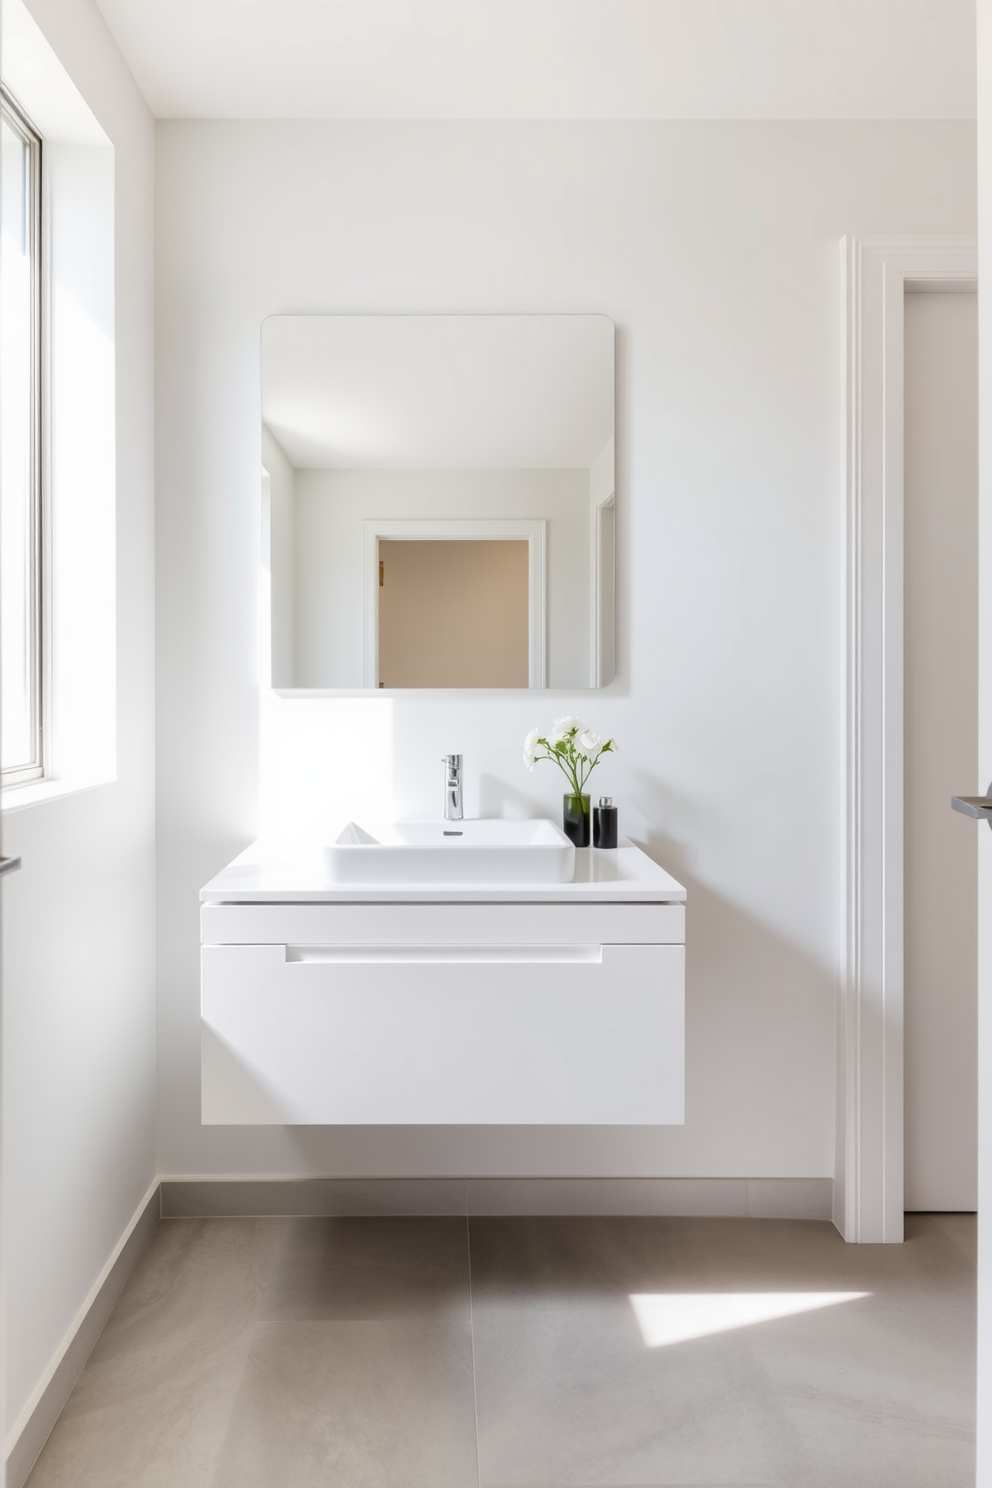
(575, 819)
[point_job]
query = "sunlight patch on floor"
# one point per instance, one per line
(666, 1317)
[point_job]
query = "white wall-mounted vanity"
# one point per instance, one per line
(470, 1004)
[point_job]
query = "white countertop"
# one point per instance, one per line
(279, 873)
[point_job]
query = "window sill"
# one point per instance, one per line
(37, 792)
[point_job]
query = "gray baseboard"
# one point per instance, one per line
(740, 1198)
(26, 1450)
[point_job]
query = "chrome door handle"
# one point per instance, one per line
(9, 865)
(980, 807)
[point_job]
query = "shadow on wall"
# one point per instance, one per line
(760, 1031)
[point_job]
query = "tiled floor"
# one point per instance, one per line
(445, 1353)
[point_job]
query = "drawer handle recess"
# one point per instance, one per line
(443, 955)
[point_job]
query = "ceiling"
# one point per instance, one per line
(439, 392)
(550, 59)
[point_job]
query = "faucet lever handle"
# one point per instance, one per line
(452, 786)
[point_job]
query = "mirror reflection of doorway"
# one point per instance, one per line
(453, 613)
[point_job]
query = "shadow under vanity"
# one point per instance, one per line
(442, 1003)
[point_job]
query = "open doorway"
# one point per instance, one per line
(941, 748)
(453, 613)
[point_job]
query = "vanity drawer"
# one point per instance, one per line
(442, 924)
(589, 1034)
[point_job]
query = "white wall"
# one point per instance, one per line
(78, 952)
(331, 506)
(714, 246)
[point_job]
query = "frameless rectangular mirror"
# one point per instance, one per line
(438, 500)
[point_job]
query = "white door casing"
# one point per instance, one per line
(876, 272)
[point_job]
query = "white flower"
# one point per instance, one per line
(570, 745)
(563, 727)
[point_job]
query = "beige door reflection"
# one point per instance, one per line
(453, 613)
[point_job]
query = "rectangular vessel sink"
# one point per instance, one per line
(488, 850)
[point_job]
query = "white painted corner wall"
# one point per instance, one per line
(79, 927)
(714, 249)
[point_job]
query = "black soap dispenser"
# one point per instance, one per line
(604, 823)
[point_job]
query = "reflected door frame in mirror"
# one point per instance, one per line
(412, 529)
(602, 577)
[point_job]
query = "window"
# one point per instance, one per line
(58, 387)
(20, 447)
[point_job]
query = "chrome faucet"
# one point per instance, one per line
(452, 787)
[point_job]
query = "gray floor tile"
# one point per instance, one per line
(881, 1390)
(381, 1404)
(305, 1352)
(871, 1392)
(568, 1392)
(571, 1402)
(151, 1408)
(369, 1268)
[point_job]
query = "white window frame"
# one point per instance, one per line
(79, 398)
(33, 770)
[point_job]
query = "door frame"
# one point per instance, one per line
(876, 274)
(597, 617)
(411, 529)
(602, 491)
